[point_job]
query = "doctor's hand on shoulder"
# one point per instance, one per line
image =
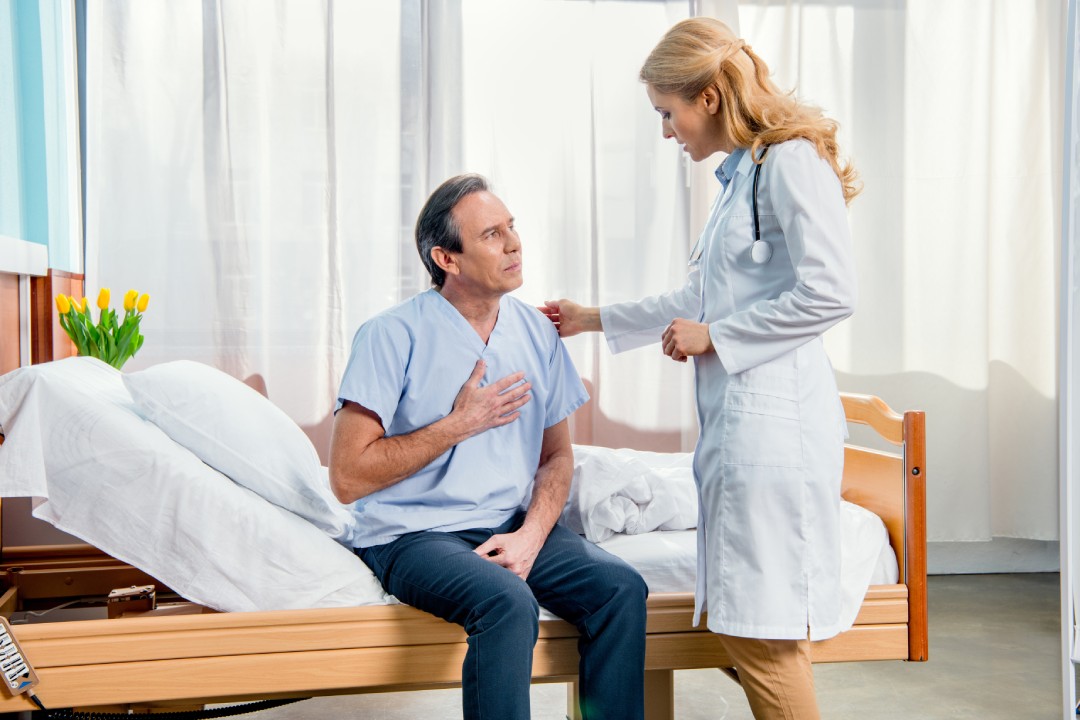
(684, 338)
(570, 318)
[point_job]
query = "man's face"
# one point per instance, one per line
(490, 259)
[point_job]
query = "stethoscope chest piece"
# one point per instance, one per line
(761, 252)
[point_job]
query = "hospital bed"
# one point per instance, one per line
(183, 654)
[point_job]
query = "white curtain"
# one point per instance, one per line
(950, 110)
(564, 129)
(258, 167)
(1069, 387)
(243, 164)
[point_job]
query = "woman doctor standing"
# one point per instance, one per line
(770, 455)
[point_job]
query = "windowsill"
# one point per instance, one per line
(22, 257)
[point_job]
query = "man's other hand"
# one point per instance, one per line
(514, 551)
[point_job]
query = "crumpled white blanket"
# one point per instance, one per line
(629, 491)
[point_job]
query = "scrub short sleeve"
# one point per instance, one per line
(567, 391)
(375, 375)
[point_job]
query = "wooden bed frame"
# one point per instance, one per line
(187, 659)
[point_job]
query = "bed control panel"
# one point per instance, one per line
(131, 600)
(19, 675)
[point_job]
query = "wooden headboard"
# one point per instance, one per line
(47, 340)
(10, 341)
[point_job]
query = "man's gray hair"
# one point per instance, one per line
(435, 227)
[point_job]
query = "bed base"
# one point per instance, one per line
(227, 657)
(183, 660)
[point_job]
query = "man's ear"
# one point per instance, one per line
(710, 97)
(445, 260)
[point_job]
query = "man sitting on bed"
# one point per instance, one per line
(451, 443)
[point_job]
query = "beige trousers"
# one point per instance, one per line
(776, 676)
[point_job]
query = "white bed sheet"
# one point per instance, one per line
(667, 559)
(625, 499)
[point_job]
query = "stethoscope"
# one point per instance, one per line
(760, 250)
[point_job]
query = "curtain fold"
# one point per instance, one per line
(1069, 386)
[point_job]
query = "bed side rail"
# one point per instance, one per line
(909, 432)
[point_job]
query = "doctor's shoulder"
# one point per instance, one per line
(795, 165)
(798, 156)
(796, 150)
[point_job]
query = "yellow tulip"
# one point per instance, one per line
(144, 300)
(129, 299)
(63, 305)
(103, 299)
(82, 304)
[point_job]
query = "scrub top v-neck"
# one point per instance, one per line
(408, 365)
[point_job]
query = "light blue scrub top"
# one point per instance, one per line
(407, 366)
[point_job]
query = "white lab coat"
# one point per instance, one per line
(769, 458)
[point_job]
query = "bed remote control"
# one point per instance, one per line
(19, 676)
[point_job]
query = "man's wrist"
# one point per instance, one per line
(452, 429)
(535, 529)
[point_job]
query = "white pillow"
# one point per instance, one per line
(102, 473)
(237, 431)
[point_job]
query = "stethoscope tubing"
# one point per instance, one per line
(761, 250)
(757, 174)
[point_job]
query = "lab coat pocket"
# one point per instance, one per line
(762, 420)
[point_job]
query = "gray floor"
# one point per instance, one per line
(994, 653)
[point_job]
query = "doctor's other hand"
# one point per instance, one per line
(477, 409)
(570, 318)
(684, 338)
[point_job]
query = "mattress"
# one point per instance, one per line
(98, 470)
(667, 559)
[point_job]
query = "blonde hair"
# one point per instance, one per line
(702, 52)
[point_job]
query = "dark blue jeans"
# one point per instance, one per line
(597, 592)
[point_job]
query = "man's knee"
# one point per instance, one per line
(627, 593)
(629, 585)
(512, 609)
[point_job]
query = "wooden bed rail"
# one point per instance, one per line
(872, 411)
(907, 528)
(915, 533)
